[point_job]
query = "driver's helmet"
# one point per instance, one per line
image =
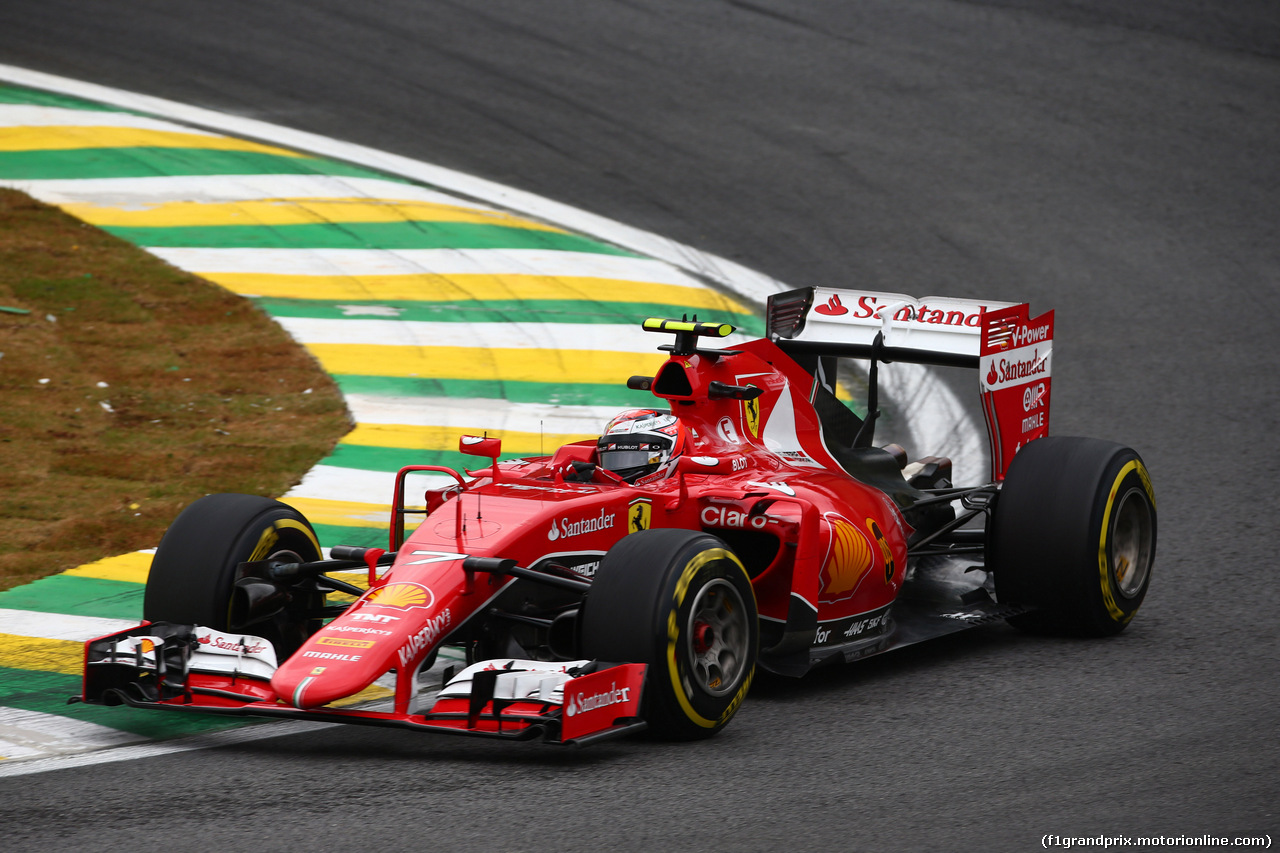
(642, 445)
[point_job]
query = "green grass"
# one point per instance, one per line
(129, 389)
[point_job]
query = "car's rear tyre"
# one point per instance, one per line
(1074, 536)
(194, 571)
(681, 602)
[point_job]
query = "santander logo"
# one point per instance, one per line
(833, 307)
(568, 529)
(581, 703)
(240, 648)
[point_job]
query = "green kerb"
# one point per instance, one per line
(83, 163)
(362, 235)
(47, 693)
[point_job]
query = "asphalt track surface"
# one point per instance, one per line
(1120, 166)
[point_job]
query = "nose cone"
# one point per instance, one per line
(320, 674)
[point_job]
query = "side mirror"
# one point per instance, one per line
(489, 448)
(474, 445)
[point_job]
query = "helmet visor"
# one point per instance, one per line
(625, 460)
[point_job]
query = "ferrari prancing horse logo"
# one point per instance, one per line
(639, 514)
(751, 416)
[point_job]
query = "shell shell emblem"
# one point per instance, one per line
(404, 596)
(885, 550)
(849, 559)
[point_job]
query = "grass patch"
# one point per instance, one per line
(131, 389)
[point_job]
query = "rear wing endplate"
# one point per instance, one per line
(1010, 350)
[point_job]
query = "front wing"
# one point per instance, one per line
(189, 669)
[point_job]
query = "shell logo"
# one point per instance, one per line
(405, 596)
(885, 550)
(849, 559)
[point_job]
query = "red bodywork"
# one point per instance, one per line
(842, 543)
(826, 553)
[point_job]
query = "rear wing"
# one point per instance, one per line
(1011, 351)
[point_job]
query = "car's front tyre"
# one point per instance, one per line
(681, 602)
(196, 566)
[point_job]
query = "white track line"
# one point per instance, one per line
(27, 735)
(142, 193)
(436, 262)
(513, 335)
(479, 414)
(356, 485)
(31, 115)
(58, 626)
(101, 755)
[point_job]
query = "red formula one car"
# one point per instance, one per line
(640, 580)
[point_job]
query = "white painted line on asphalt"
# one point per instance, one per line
(46, 732)
(356, 485)
(480, 414)
(104, 755)
(31, 115)
(436, 262)
(510, 335)
(220, 189)
(58, 626)
(30, 734)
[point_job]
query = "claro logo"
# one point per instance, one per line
(719, 516)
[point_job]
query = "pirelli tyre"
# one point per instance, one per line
(681, 602)
(1074, 536)
(194, 571)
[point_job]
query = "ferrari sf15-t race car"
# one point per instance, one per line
(640, 580)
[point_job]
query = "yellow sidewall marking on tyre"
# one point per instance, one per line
(294, 524)
(1104, 564)
(673, 636)
(266, 542)
(271, 536)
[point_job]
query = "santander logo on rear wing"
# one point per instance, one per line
(934, 330)
(1014, 369)
(1010, 350)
